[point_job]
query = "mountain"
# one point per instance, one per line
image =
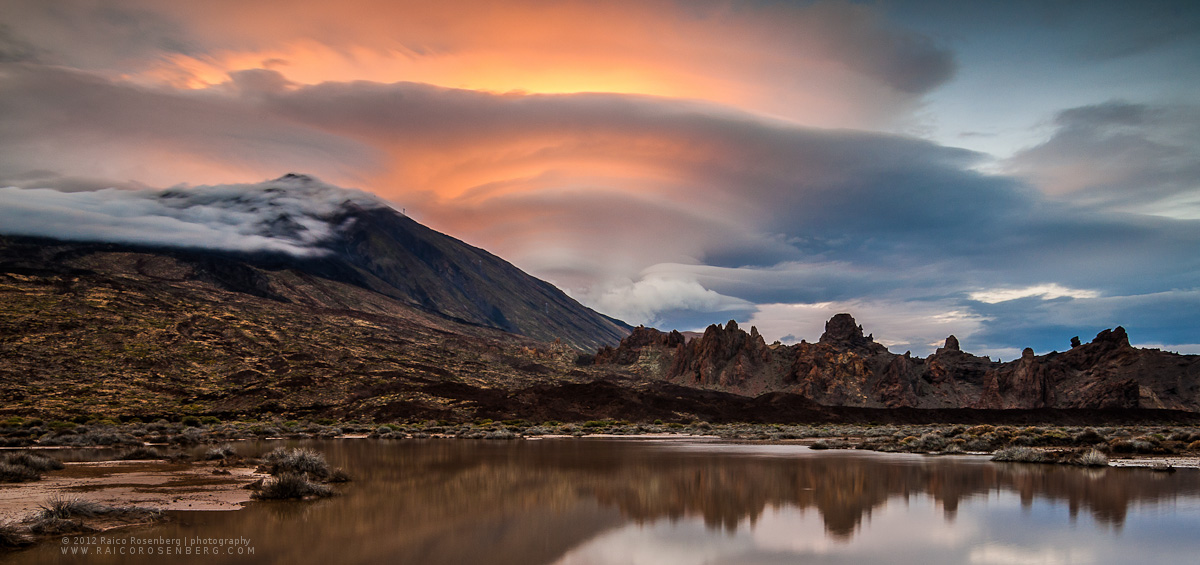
(240, 234)
(847, 368)
(398, 257)
(285, 297)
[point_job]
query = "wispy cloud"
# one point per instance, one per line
(1044, 291)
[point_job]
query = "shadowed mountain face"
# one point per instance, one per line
(401, 258)
(847, 368)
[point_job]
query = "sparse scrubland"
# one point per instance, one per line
(69, 515)
(164, 439)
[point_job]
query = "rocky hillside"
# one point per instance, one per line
(847, 368)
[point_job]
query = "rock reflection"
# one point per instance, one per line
(647, 482)
(462, 501)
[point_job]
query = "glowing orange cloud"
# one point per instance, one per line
(824, 65)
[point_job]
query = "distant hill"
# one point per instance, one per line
(847, 368)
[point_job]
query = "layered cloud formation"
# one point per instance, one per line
(669, 163)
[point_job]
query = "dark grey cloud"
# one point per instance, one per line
(1119, 154)
(13, 49)
(84, 127)
(115, 35)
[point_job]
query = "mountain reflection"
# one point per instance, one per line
(647, 481)
(520, 502)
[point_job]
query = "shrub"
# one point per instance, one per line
(980, 430)
(1194, 446)
(1020, 455)
(1089, 436)
(13, 536)
(33, 461)
(300, 461)
(977, 445)
(66, 508)
(190, 421)
(10, 473)
(1093, 458)
(291, 485)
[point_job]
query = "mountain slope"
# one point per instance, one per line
(404, 259)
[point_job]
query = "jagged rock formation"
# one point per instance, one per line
(847, 368)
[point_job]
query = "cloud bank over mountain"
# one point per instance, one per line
(293, 214)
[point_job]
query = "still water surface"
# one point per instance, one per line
(607, 501)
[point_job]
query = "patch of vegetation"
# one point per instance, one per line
(296, 461)
(1093, 458)
(291, 486)
(10, 473)
(24, 466)
(1020, 454)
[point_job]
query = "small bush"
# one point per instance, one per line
(980, 430)
(300, 461)
(39, 463)
(13, 536)
(291, 485)
(1089, 436)
(190, 421)
(61, 508)
(1194, 446)
(1020, 455)
(10, 473)
(1093, 458)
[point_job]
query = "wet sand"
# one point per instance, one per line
(154, 484)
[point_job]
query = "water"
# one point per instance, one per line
(600, 501)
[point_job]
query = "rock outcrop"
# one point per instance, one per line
(724, 356)
(847, 368)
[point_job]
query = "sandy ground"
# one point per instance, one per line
(155, 484)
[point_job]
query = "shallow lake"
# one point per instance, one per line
(612, 501)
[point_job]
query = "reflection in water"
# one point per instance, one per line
(610, 501)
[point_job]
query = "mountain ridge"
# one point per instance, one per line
(846, 368)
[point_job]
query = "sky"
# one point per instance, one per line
(1013, 173)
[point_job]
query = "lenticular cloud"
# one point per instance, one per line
(293, 214)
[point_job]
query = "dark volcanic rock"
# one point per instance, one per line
(722, 356)
(842, 332)
(847, 368)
